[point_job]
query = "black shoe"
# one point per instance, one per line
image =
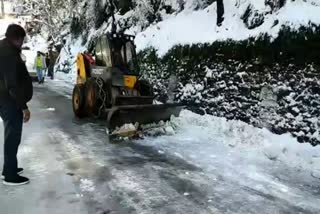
(16, 181)
(19, 171)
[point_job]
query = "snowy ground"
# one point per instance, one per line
(252, 163)
(51, 189)
(207, 165)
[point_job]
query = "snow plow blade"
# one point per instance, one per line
(142, 114)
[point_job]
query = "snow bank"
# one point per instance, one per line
(234, 138)
(190, 27)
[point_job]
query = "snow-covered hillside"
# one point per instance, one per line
(214, 80)
(163, 24)
(199, 26)
(196, 23)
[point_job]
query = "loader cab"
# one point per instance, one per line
(117, 51)
(111, 86)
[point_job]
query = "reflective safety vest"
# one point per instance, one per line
(39, 62)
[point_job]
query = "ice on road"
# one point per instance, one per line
(51, 190)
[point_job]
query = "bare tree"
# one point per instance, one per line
(50, 13)
(2, 9)
(275, 4)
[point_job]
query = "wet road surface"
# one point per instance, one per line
(75, 169)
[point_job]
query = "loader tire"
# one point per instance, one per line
(144, 88)
(78, 101)
(92, 102)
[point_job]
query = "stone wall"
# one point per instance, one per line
(275, 85)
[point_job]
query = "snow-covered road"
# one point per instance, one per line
(208, 165)
(51, 189)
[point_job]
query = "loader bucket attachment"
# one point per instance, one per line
(143, 114)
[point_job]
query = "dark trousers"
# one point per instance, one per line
(12, 117)
(51, 71)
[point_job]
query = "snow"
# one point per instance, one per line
(50, 189)
(237, 157)
(65, 76)
(8, 7)
(295, 109)
(213, 137)
(192, 90)
(68, 56)
(30, 56)
(209, 159)
(4, 23)
(87, 185)
(126, 130)
(192, 27)
(37, 43)
(169, 130)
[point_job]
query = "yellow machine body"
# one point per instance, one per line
(81, 70)
(129, 81)
(112, 87)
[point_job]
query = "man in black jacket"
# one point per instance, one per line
(16, 91)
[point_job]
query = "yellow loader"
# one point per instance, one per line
(111, 87)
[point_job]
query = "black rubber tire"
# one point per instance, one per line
(144, 88)
(92, 102)
(78, 101)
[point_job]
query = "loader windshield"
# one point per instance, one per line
(130, 53)
(123, 55)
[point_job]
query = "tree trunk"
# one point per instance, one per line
(2, 9)
(282, 3)
(220, 12)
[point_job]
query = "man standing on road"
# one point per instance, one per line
(16, 91)
(53, 58)
(40, 66)
(47, 59)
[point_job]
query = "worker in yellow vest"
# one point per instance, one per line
(40, 66)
